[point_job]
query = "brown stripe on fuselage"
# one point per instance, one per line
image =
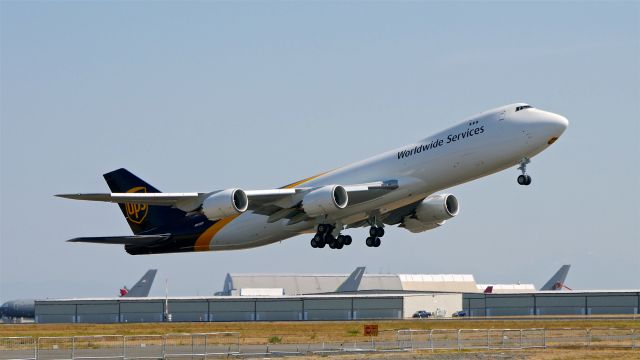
(204, 240)
(291, 186)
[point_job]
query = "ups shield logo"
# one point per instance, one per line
(136, 212)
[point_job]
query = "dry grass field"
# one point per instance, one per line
(306, 331)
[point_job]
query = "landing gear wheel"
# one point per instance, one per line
(340, 240)
(379, 232)
(347, 240)
(314, 243)
(372, 231)
(522, 179)
(332, 245)
(370, 241)
(322, 228)
(321, 244)
(339, 245)
(377, 242)
(329, 239)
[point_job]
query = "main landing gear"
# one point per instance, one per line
(524, 179)
(325, 236)
(375, 234)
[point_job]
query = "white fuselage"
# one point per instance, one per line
(481, 145)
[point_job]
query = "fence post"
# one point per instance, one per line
(73, 347)
(544, 338)
(488, 339)
(205, 347)
(124, 347)
(588, 337)
(458, 340)
(521, 346)
(431, 339)
(411, 339)
(164, 346)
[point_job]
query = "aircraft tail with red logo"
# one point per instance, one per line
(142, 218)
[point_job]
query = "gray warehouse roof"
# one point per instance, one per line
(297, 284)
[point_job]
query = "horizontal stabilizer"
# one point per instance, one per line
(124, 240)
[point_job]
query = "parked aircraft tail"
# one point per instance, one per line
(353, 281)
(142, 287)
(489, 289)
(141, 217)
(557, 280)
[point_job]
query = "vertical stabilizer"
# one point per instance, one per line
(141, 217)
(142, 287)
(557, 280)
(353, 281)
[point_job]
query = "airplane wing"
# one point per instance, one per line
(275, 203)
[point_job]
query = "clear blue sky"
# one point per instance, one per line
(204, 95)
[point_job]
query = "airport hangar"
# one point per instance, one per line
(295, 297)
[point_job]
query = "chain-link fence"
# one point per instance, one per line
(120, 347)
(171, 346)
(141, 347)
(54, 348)
(18, 348)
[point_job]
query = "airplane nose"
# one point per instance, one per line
(556, 125)
(561, 122)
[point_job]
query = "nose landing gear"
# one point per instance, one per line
(524, 179)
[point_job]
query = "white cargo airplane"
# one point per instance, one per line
(397, 187)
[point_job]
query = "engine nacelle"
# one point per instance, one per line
(225, 203)
(325, 200)
(431, 213)
(437, 208)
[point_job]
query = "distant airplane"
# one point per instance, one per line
(352, 283)
(25, 308)
(557, 280)
(398, 187)
(555, 283)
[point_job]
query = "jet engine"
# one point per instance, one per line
(325, 200)
(225, 203)
(431, 213)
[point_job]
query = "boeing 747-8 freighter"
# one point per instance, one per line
(399, 187)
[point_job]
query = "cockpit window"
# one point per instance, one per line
(518, 108)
